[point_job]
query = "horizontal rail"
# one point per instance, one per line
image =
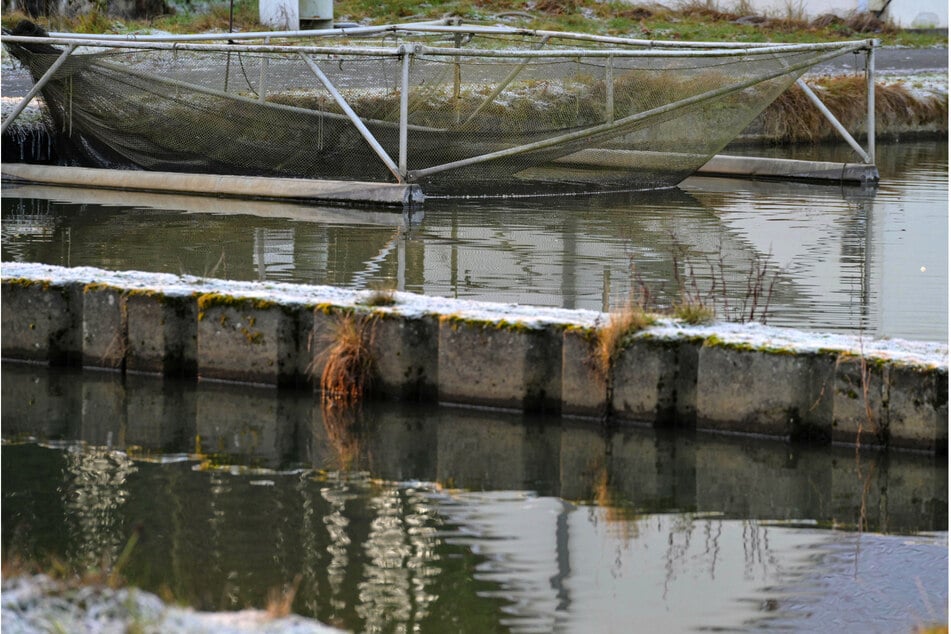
(841, 47)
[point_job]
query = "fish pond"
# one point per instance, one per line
(827, 257)
(397, 518)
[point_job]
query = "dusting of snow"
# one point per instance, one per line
(921, 353)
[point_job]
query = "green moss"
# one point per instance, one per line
(25, 282)
(93, 287)
(455, 321)
(714, 341)
(148, 293)
(212, 300)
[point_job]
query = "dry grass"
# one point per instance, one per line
(349, 368)
(792, 118)
(280, 600)
(381, 297)
(622, 322)
(341, 424)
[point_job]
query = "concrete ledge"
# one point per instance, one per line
(788, 169)
(741, 378)
(296, 189)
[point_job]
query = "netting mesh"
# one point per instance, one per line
(636, 121)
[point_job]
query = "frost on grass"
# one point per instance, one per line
(37, 603)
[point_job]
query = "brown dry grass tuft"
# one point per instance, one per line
(622, 322)
(792, 118)
(280, 601)
(349, 367)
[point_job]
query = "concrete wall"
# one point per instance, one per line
(463, 353)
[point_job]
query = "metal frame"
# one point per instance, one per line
(406, 53)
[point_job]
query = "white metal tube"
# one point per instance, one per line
(609, 90)
(870, 86)
(404, 109)
(835, 122)
(36, 88)
(357, 123)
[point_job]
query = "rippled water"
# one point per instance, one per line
(871, 261)
(448, 520)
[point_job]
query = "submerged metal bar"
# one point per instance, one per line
(355, 119)
(835, 122)
(619, 125)
(36, 88)
(870, 87)
(503, 85)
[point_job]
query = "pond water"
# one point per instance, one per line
(837, 258)
(398, 518)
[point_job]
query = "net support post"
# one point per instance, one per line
(37, 87)
(609, 90)
(406, 55)
(870, 88)
(354, 118)
(835, 122)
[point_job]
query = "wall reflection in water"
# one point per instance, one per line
(449, 520)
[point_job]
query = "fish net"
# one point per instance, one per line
(478, 110)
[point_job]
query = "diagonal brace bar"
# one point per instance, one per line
(354, 119)
(835, 122)
(37, 87)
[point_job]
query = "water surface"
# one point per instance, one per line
(871, 261)
(399, 518)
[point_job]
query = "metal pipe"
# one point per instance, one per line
(404, 109)
(357, 123)
(609, 90)
(835, 122)
(36, 88)
(262, 80)
(722, 51)
(870, 87)
(608, 130)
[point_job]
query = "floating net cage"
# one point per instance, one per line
(494, 107)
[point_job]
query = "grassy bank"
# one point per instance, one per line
(688, 20)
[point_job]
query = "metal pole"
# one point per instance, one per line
(835, 122)
(354, 119)
(36, 88)
(404, 106)
(609, 90)
(870, 81)
(262, 81)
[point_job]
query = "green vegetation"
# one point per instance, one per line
(688, 20)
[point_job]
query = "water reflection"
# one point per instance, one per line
(534, 525)
(843, 258)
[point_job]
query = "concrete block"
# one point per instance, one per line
(764, 392)
(40, 321)
(917, 407)
(644, 380)
(406, 354)
(104, 327)
(583, 384)
(499, 365)
(685, 383)
(162, 333)
(859, 408)
(246, 340)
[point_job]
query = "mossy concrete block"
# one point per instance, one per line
(162, 334)
(41, 321)
(860, 401)
(104, 326)
(316, 328)
(406, 355)
(685, 383)
(764, 392)
(644, 380)
(498, 364)
(246, 340)
(583, 383)
(917, 407)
